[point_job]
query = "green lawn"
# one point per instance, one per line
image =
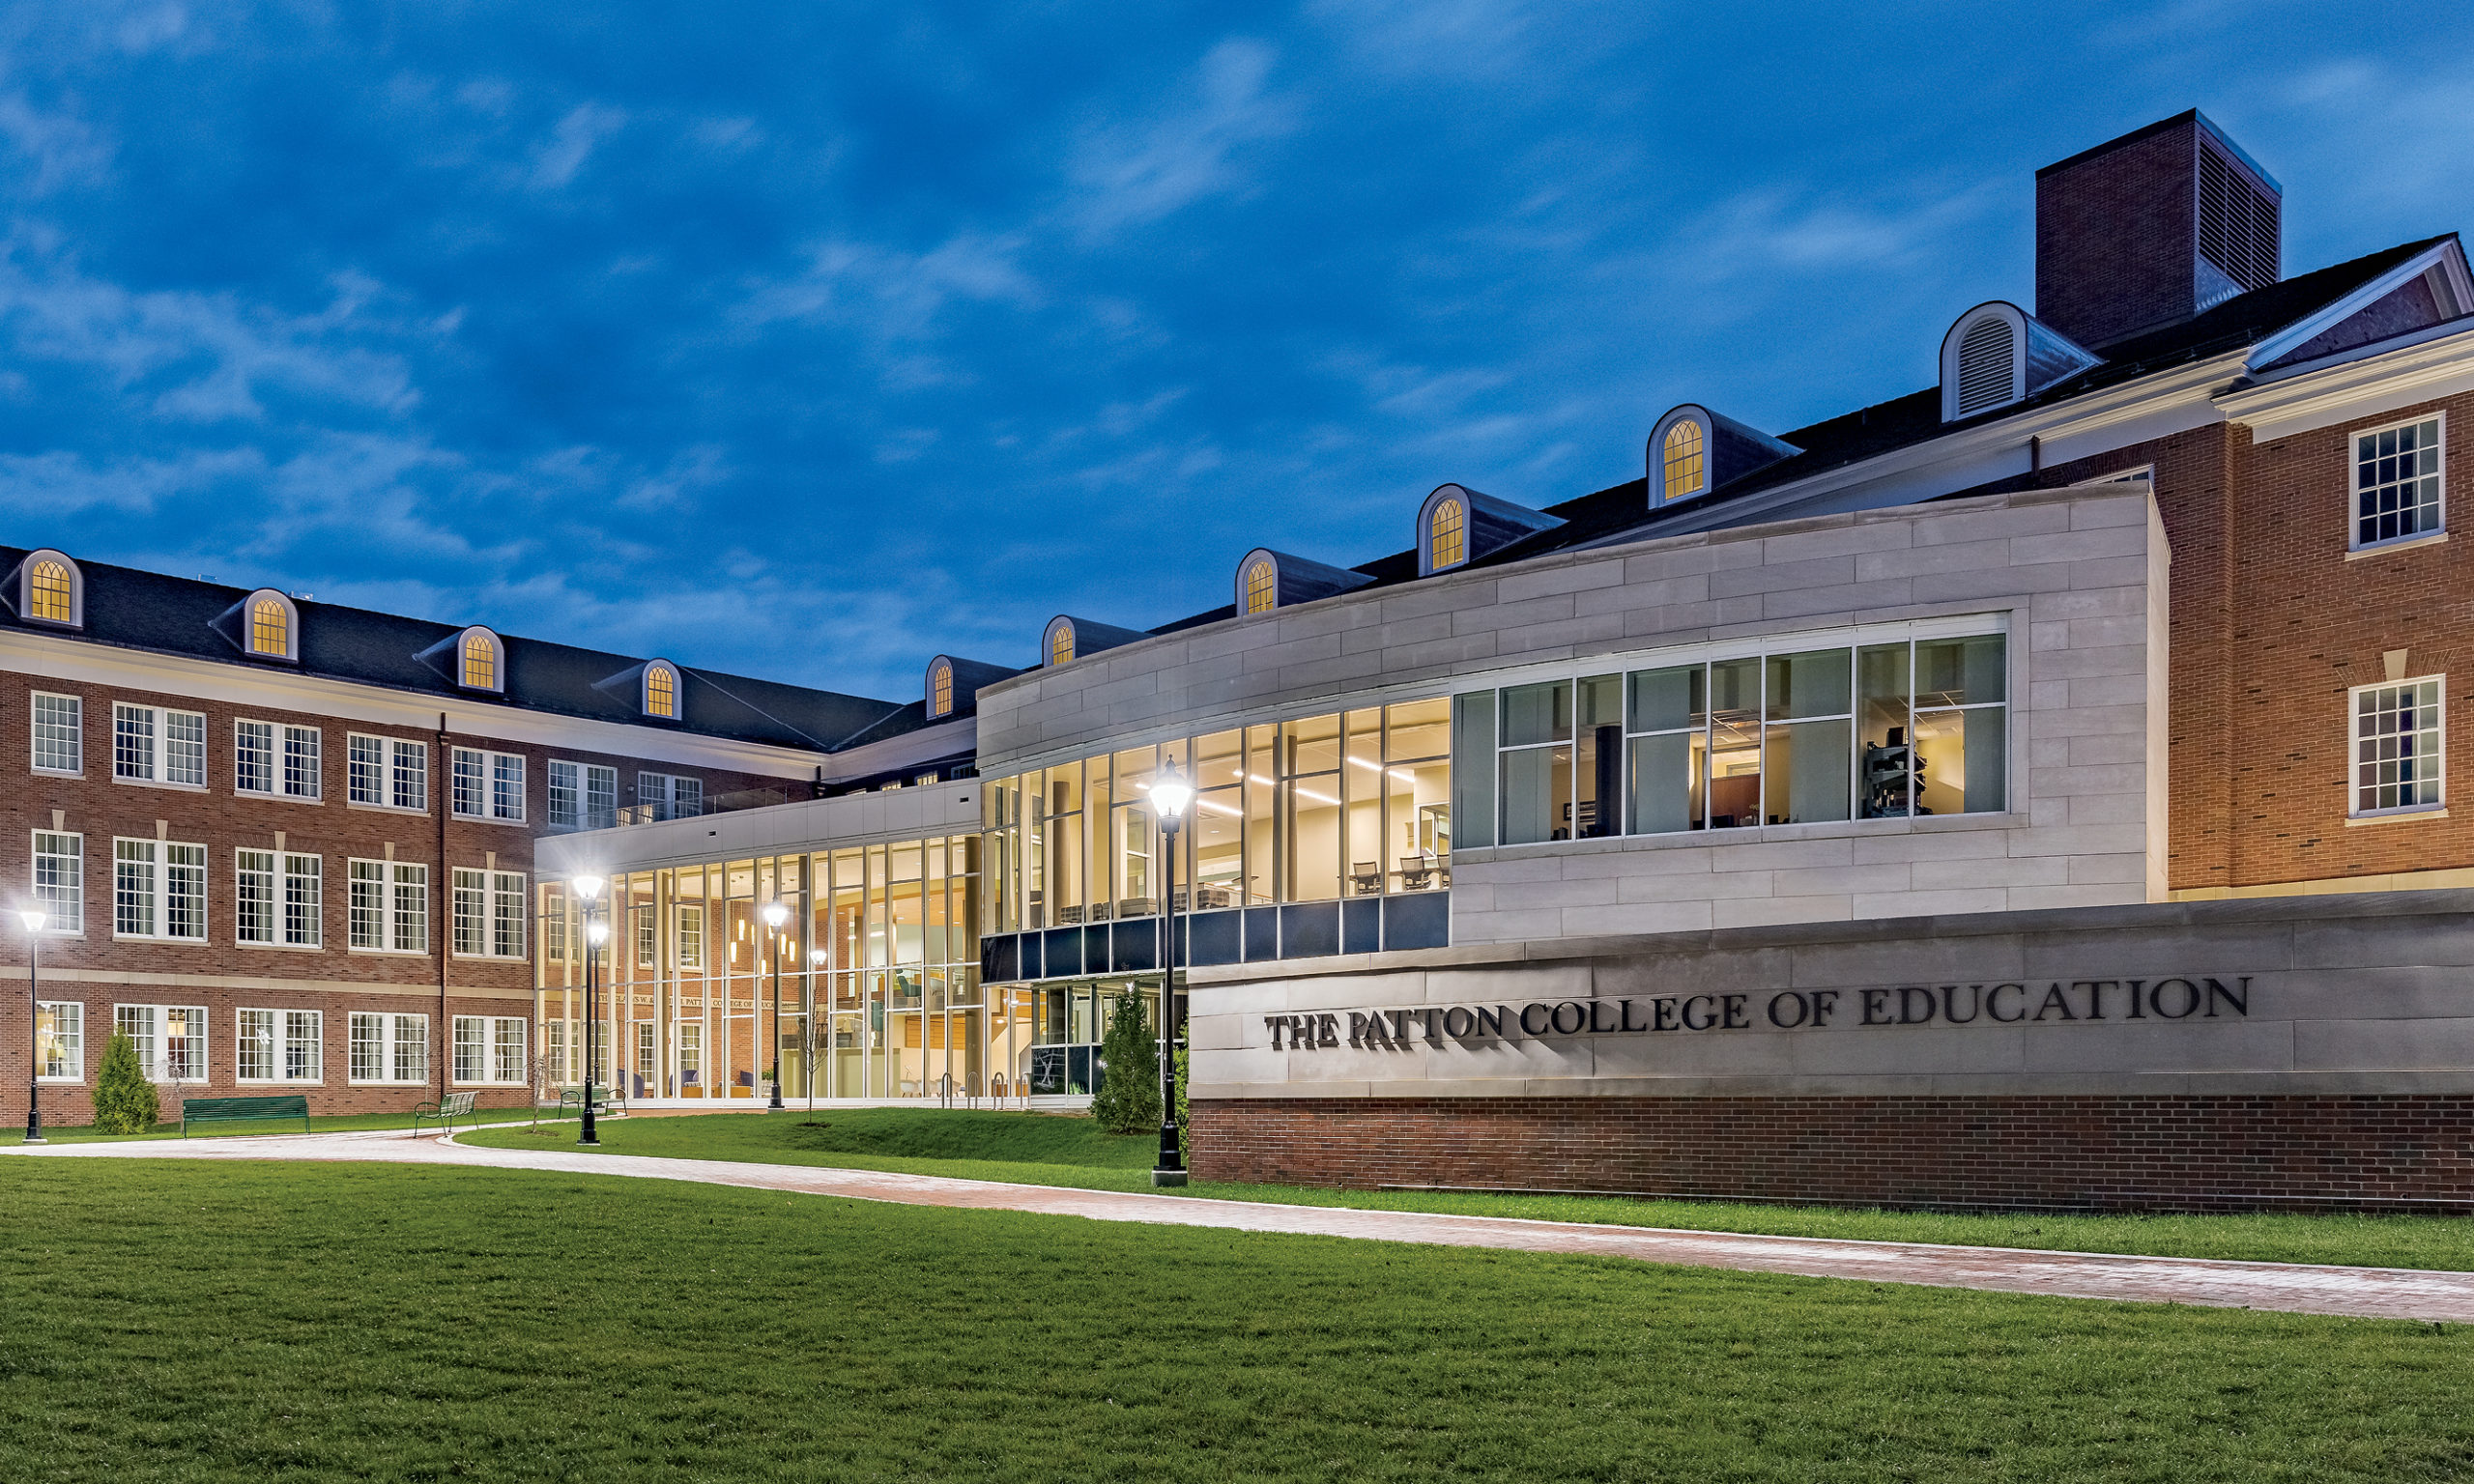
(88, 1133)
(1043, 1150)
(296, 1322)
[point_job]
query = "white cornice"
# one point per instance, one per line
(2446, 258)
(2420, 368)
(61, 658)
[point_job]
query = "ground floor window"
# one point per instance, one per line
(390, 1047)
(171, 1039)
(60, 1041)
(489, 1048)
(2397, 746)
(281, 1045)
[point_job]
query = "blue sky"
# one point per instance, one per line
(810, 340)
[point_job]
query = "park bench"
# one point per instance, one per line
(242, 1110)
(447, 1110)
(607, 1100)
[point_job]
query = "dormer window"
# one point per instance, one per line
(1988, 365)
(1060, 642)
(1998, 354)
(940, 689)
(1447, 534)
(51, 589)
(271, 626)
(1262, 587)
(1684, 460)
(480, 661)
(661, 691)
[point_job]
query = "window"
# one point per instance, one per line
(158, 890)
(151, 745)
(668, 796)
(389, 1048)
(645, 928)
(940, 689)
(489, 914)
(1986, 365)
(1447, 535)
(489, 785)
(2398, 749)
(269, 627)
(277, 760)
(2397, 482)
(60, 735)
(690, 938)
(1060, 643)
(281, 1045)
(583, 795)
(1683, 460)
(489, 1048)
(171, 1040)
(276, 897)
(1262, 584)
(388, 774)
(661, 691)
(60, 880)
(54, 590)
(476, 666)
(390, 908)
(60, 1041)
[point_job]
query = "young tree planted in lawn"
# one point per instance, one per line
(124, 1099)
(1127, 1100)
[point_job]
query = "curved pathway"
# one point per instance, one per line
(2369, 1293)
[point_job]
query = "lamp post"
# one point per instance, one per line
(33, 918)
(1170, 794)
(776, 913)
(596, 934)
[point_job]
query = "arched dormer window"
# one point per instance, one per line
(1682, 457)
(1060, 641)
(940, 689)
(51, 589)
(1447, 534)
(661, 690)
(480, 661)
(1261, 588)
(1998, 354)
(271, 626)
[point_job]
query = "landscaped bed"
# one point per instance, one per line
(282, 1321)
(1044, 1150)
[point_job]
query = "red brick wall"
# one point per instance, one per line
(2097, 1154)
(2116, 239)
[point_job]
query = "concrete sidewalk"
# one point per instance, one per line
(2367, 1293)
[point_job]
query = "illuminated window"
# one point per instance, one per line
(1060, 643)
(1447, 535)
(480, 662)
(940, 690)
(1682, 460)
(1260, 588)
(48, 599)
(269, 627)
(661, 691)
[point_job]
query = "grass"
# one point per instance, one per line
(302, 1322)
(1035, 1149)
(338, 1122)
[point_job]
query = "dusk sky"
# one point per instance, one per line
(809, 340)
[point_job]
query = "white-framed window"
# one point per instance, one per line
(390, 1047)
(60, 1041)
(489, 914)
(661, 690)
(171, 1040)
(2400, 746)
(690, 937)
(489, 785)
(489, 1048)
(583, 796)
(645, 929)
(480, 661)
(390, 906)
(670, 796)
(278, 897)
(158, 890)
(60, 735)
(2398, 482)
(387, 771)
(60, 880)
(155, 745)
(277, 760)
(281, 1045)
(51, 589)
(271, 626)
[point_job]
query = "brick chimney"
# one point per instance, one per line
(2153, 228)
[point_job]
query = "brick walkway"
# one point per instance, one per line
(2373, 1292)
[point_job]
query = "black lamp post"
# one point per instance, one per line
(776, 913)
(1170, 794)
(33, 918)
(596, 934)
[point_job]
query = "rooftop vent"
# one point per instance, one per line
(1986, 365)
(1997, 353)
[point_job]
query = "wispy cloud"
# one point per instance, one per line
(556, 161)
(60, 148)
(1129, 174)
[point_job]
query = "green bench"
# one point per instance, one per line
(607, 1100)
(242, 1110)
(447, 1110)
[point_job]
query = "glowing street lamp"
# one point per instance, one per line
(1170, 794)
(596, 934)
(34, 918)
(776, 913)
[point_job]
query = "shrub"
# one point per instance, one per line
(125, 1101)
(1127, 1100)
(1185, 1124)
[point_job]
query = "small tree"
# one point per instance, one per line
(125, 1102)
(1127, 1100)
(1185, 1122)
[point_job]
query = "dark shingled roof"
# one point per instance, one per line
(147, 611)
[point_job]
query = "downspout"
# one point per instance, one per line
(442, 928)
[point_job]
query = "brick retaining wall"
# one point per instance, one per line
(2396, 1153)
